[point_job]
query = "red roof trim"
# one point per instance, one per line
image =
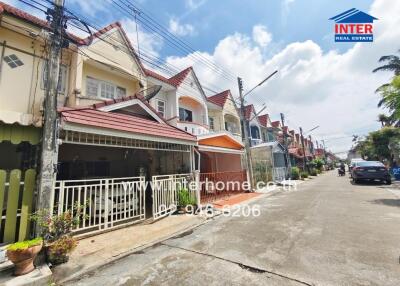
(220, 98)
(109, 102)
(263, 119)
(177, 79)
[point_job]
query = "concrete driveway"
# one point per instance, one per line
(328, 232)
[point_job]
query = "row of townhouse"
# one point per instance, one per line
(118, 122)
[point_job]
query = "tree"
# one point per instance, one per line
(376, 144)
(390, 94)
(392, 63)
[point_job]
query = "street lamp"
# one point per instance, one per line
(312, 129)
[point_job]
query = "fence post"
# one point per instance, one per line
(196, 175)
(106, 204)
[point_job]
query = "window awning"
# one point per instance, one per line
(16, 133)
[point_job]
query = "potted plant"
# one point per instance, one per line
(58, 251)
(22, 254)
(56, 230)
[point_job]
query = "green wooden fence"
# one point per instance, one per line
(16, 200)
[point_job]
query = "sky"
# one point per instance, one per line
(319, 82)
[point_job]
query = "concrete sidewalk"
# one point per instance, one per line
(96, 251)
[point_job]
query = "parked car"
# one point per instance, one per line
(371, 171)
(352, 163)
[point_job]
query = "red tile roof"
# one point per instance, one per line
(248, 111)
(123, 122)
(155, 75)
(220, 98)
(177, 79)
(276, 124)
(263, 119)
(18, 13)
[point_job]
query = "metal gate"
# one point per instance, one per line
(104, 203)
(165, 191)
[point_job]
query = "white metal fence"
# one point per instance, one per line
(105, 203)
(279, 174)
(165, 193)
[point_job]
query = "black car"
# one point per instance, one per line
(371, 171)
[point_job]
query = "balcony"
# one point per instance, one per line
(255, 141)
(193, 128)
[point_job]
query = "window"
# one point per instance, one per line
(211, 122)
(160, 104)
(185, 115)
(103, 89)
(62, 78)
(255, 133)
(121, 92)
(13, 61)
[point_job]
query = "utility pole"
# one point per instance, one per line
(245, 131)
(311, 145)
(48, 162)
(285, 145)
(304, 151)
(323, 143)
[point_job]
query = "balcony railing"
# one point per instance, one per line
(255, 141)
(193, 128)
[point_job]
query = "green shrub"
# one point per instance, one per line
(295, 173)
(319, 171)
(318, 163)
(22, 245)
(304, 175)
(185, 198)
(313, 172)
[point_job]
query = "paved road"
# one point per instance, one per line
(328, 232)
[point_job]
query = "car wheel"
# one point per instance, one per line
(388, 182)
(356, 181)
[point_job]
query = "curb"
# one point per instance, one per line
(142, 247)
(42, 275)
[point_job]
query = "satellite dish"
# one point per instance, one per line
(150, 92)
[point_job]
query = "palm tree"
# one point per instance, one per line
(392, 63)
(386, 120)
(391, 98)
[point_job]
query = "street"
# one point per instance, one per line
(328, 232)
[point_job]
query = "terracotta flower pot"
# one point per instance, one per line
(23, 259)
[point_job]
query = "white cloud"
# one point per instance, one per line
(194, 4)
(285, 9)
(261, 35)
(149, 44)
(90, 7)
(179, 29)
(331, 89)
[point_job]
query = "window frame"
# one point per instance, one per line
(165, 106)
(107, 85)
(186, 115)
(211, 123)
